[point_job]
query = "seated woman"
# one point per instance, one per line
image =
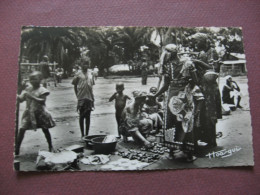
(230, 91)
(135, 122)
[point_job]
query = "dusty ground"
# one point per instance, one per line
(236, 128)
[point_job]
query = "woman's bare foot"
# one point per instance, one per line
(16, 152)
(191, 158)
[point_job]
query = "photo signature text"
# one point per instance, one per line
(223, 153)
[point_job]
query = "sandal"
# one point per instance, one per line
(191, 159)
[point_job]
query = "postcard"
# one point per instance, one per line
(121, 98)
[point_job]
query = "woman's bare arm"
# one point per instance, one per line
(166, 84)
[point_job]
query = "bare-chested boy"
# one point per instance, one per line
(120, 102)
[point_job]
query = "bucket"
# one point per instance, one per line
(88, 139)
(103, 148)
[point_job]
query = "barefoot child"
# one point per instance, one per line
(119, 103)
(83, 87)
(35, 116)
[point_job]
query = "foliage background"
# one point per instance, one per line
(107, 46)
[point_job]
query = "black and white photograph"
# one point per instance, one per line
(116, 98)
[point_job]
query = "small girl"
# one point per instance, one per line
(35, 116)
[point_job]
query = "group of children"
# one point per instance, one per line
(138, 117)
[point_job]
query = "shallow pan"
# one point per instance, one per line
(103, 148)
(88, 139)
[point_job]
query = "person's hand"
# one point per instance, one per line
(93, 107)
(23, 94)
(154, 95)
(18, 97)
(28, 95)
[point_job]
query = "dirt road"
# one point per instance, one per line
(236, 128)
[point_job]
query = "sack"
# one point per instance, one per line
(225, 109)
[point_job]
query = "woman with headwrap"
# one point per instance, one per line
(211, 110)
(228, 88)
(135, 122)
(183, 100)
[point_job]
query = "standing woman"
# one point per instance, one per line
(211, 110)
(179, 81)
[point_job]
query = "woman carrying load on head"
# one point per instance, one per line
(183, 100)
(211, 110)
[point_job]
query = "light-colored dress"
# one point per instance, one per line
(133, 122)
(36, 115)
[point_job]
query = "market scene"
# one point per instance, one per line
(132, 98)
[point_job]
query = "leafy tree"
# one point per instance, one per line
(131, 39)
(60, 44)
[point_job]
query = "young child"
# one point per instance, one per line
(35, 116)
(83, 87)
(154, 111)
(120, 103)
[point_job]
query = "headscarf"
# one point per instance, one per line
(138, 94)
(227, 80)
(227, 77)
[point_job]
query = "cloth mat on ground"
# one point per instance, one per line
(124, 164)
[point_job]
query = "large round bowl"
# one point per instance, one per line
(88, 139)
(103, 148)
(210, 76)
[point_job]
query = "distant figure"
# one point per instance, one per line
(83, 87)
(213, 58)
(35, 116)
(120, 103)
(231, 92)
(130, 64)
(76, 70)
(95, 72)
(144, 69)
(44, 69)
(59, 74)
(105, 73)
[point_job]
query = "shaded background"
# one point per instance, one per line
(14, 14)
